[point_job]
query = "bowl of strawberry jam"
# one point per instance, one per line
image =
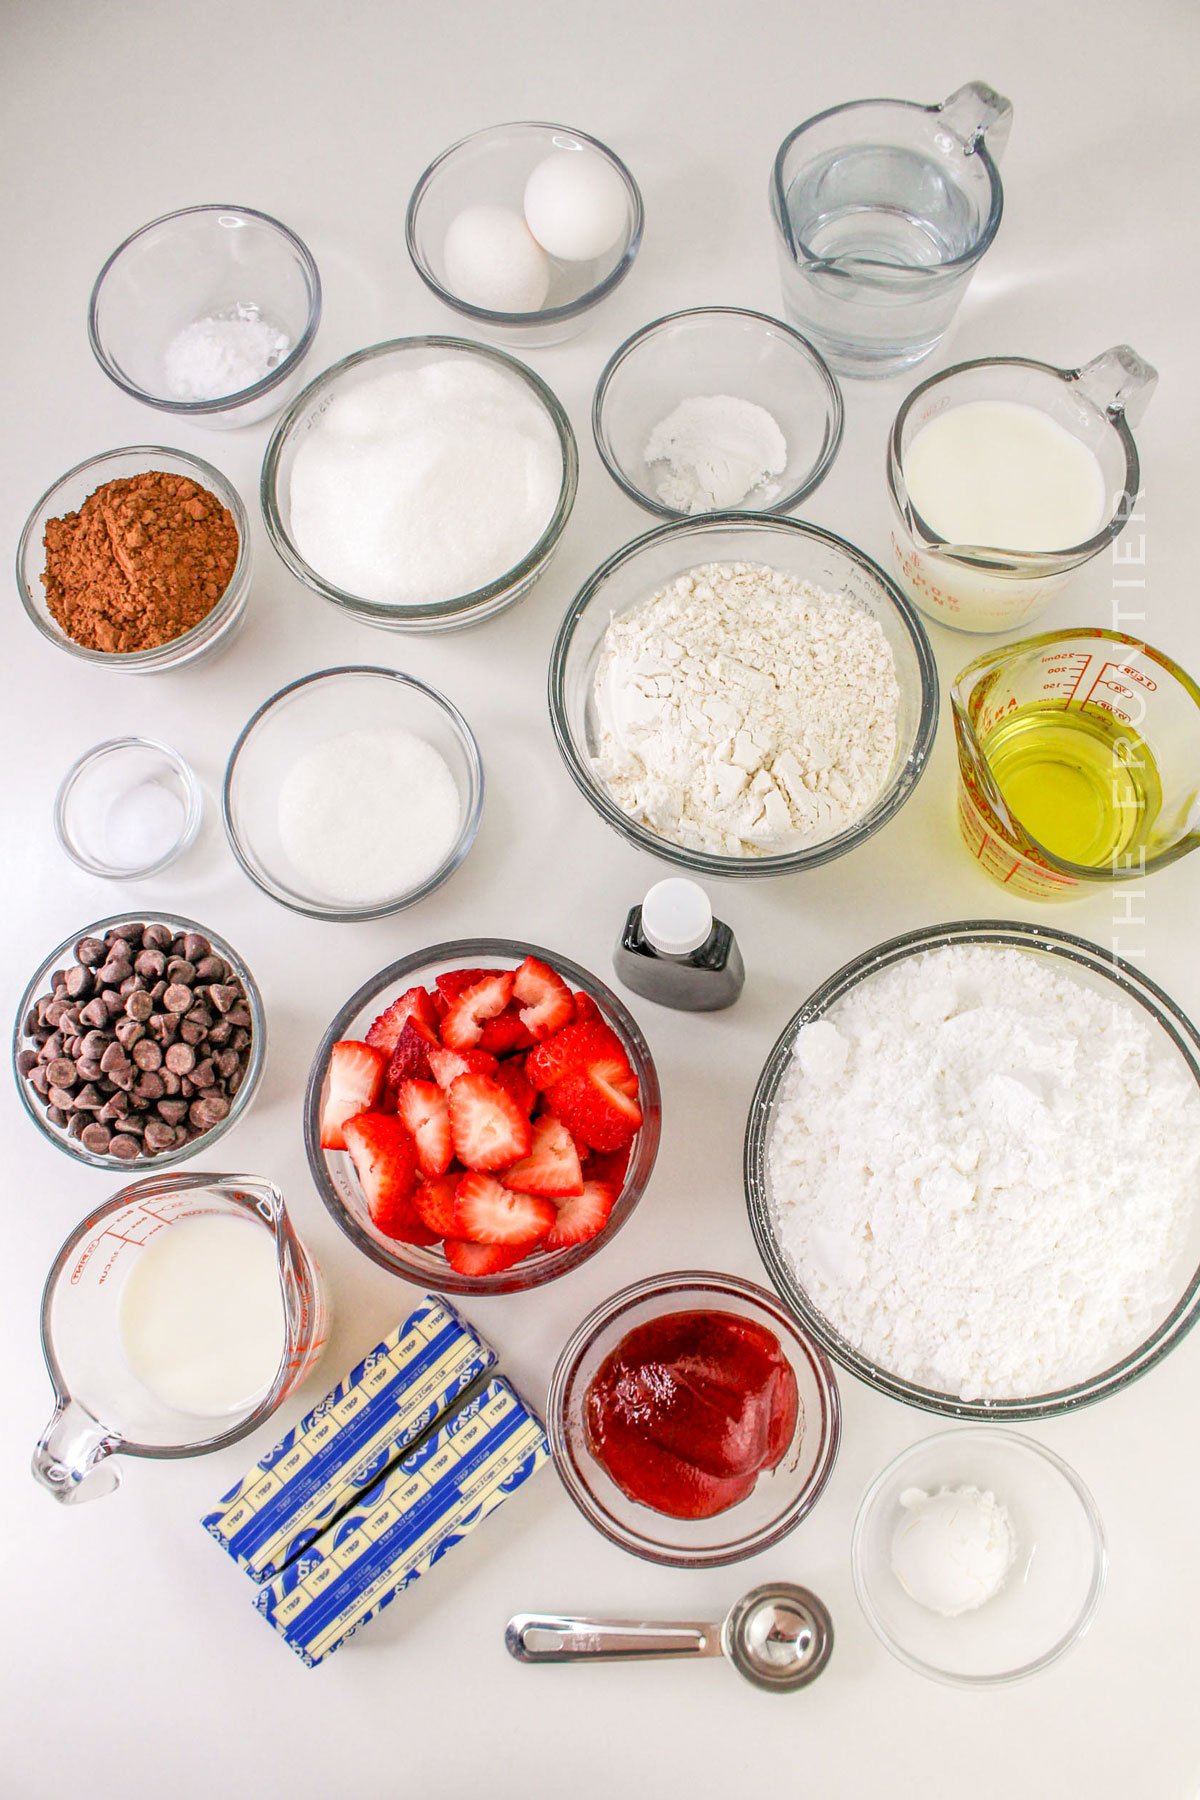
(482, 1116)
(692, 1421)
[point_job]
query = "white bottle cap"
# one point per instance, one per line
(676, 917)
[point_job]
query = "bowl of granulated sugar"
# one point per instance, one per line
(972, 1166)
(353, 793)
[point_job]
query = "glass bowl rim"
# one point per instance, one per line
(680, 1282)
(375, 611)
(520, 1278)
(240, 396)
(192, 816)
(157, 656)
(1010, 934)
(1096, 1585)
(708, 862)
(547, 315)
(835, 412)
(165, 1159)
(468, 829)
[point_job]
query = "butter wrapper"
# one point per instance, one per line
(432, 1499)
(326, 1462)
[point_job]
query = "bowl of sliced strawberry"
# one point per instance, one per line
(482, 1116)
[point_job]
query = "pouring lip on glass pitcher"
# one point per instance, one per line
(262, 1198)
(976, 145)
(968, 740)
(1021, 564)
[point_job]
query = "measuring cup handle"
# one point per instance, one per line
(70, 1459)
(551, 1638)
(977, 112)
(1118, 382)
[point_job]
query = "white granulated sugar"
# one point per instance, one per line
(744, 712)
(719, 451)
(985, 1171)
(425, 484)
(368, 816)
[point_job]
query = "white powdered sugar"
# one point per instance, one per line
(744, 712)
(985, 1171)
(714, 451)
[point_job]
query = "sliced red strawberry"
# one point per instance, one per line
(455, 982)
(546, 999)
(607, 1165)
(512, 1078)
(586, 1010)
(572, 1051)
(582, 1217)
(488, 1127)
(488, 1213)
(447, 1065)
(594, 1110)
(505, 1033)
(386, 1165)
(436, 1204)
(483, 1259)
(422, 1107)
(462, 1026)
(417, 1003)
(552, 1166)
(410, 1059)
(353, 1085)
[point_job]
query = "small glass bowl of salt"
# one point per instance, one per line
(128, 808)
(207, 313)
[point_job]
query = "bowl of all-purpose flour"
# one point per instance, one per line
(421, 484)
(973, 1169)
(743, 694)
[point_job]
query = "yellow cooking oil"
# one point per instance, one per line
(1081, 782)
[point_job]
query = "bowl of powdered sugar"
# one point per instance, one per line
(743, 694)
(422, 484)
(973, 1170)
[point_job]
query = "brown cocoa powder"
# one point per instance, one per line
(144, 559)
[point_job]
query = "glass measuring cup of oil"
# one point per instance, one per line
(1078, 761)
(991, 456)
(175, 1319)
(882, 211)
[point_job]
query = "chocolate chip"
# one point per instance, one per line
(223, 996)
(195, 946)
(158, 1135)
(77, 1124)
(182, 971)
(180, 1059)
(173, 1111)
(79, 982)
(114, 1108)
(211, 968)
(39, 1081)
(123, 1077)
(220, 1033)
(204, 1074)
(112, 973)
(129, 1032)
(157, 937)
(226, 1061)
(97, 1138)
(114, 1003)
(147, 1054)
(88, 1099)
(60, 1098)
(52, 1047)
(124, 1147)
(89, 951)
(170, 1082)
(114, 1058)
(149, 1085)
(26, 1060)
(62, 1072)
(191, 1034)
(57, 1116)
(139, 1006)
(177, 998)
(199, 1015)
(209, 1111)
(88, 1067)
(54, 1013)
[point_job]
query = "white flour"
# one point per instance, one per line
(719, 451)
(985, 1171)
(744, 712)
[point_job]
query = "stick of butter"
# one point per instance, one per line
(343, 1445)
(434, 1497)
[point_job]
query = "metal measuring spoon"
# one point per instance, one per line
(779, 1637)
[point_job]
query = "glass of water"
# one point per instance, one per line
(882, 210)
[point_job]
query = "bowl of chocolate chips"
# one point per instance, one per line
(139, 1040)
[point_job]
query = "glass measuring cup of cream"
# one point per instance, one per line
(1078, 761)
(176, 1318)
(882, 210)
(1006, 475)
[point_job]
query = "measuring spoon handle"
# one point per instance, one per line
(551, 1638)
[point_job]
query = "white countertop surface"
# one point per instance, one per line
(134, 1663)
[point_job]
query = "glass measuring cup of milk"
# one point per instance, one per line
(1078, 761)
(882, 210)
(136, 1372)
(1085, 412)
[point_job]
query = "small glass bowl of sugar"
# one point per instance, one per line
(128, 808)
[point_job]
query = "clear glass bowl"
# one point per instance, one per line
(1053, 1586)
(804, 551)
(321, 706)
(333, 1172)
(61, 958)
(200, 263)
(101, 783)
(717, 350)
(343, 377)
(780, 1499)
(214, 632)
(1102, 971)
(490, 168)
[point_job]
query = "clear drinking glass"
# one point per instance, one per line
(101, 1409)
(882, 210)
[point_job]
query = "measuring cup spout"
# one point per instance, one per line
(976, 113)
(1119, 382)
(71, 1457)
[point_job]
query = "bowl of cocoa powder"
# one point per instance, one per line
(138, 559)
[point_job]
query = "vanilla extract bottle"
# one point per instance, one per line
(673, 951)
